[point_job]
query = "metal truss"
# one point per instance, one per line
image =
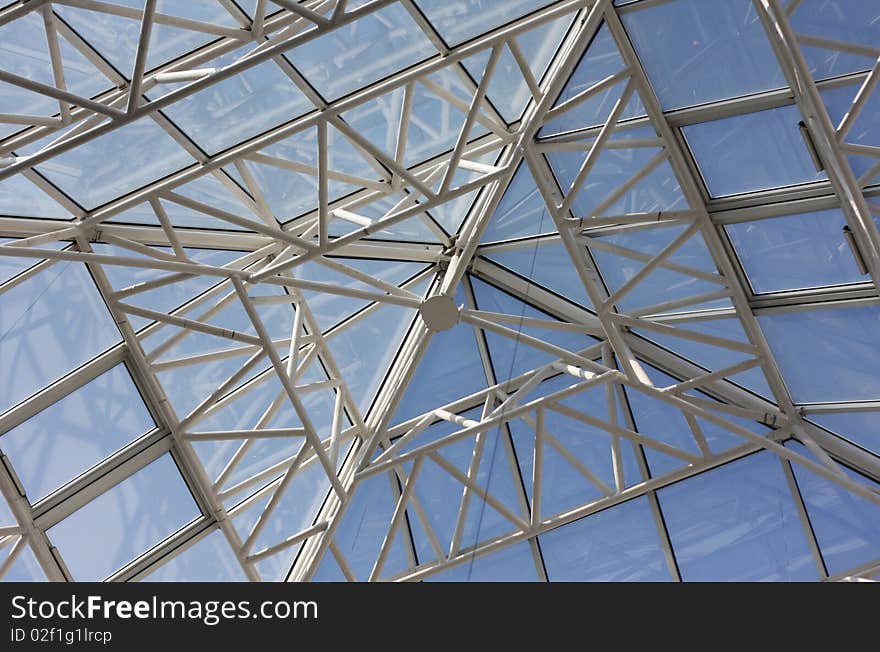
(334, 445)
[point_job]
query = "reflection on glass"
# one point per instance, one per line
(19, 197)
(127, 158)
(49, 325)
(77, 432)
(125, 521)
(116, 37)
(508, 91)
(364, 350)
(737, 523)
(23, 52)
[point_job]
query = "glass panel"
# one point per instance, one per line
(795, 252)
(829, 354)
(207, 189)
(511, 357)
(435, 122)
(25, 568)
(10, 266)
(362, 52)
(331, 309)
(508, 91)
(658, 191)
(862, 428)
(168, 297)
(459, 20)
(116, 37)
(239, 107)
(697, 51)
(661, 284)
(620, 544)
(564, 486)
(442, 377)
(546, 263)
(756, 151)
(23, 47)
(77, 432)
(866, 128)
(849, 21)
(365, 350)
(511, 564)
(521, 212)
(49, 325)
(19, 197)
(290, 194)
(209, 560)
(116, 163)
(296, 510)
(441, 494)
(737, 523)
(847, 526)
(714, 357)
(601, 60)
(133, 516)
(364, 525)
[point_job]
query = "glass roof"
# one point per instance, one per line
(440, 291)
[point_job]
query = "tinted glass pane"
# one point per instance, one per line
(863, 428)
(365, 51)
(512, 564)
(128, 519)
(244, 105)
(852, 21)
(209, 560)
(697, 51)
(76, 433)
(614, 545)
(118, 162)
(756, 151)
(847, 526)
(49, 325)
(459, 20)
(794, 252)
(737, 523)
(827, 355)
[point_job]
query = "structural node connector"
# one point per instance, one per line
(439, 313)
